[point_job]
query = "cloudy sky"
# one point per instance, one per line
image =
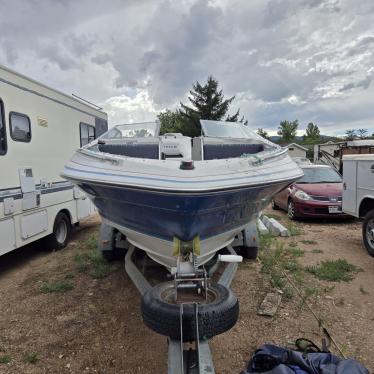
(310, 60)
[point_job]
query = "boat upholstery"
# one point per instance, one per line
(132, 150)
(221, 151)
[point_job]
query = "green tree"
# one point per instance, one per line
(171, 121)
(350, 134)
(287, 130)
(262, 133)
(207, 102)
(312, 132)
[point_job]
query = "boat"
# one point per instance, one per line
(172, 195)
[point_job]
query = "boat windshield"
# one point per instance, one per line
(223, 129)
(134, 130)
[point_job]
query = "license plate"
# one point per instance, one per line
(334, 209)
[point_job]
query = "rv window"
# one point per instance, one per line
(87, 133)
(2, 130)
(20, 127)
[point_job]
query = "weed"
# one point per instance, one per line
(306, 241)
(5, 359)
(32, 358)
(333, 270)
(295, 252)
(56, 287)
(92, 263)
(294, 229)
(288, 293)
(266, 241)
(316, 250)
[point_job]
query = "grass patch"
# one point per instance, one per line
(293, 244)
(278, 261)
(294, 229)
(306, 241)
(56, 287)
(316, 250)
(31, 358)
(5, 359)
(91, 262)
(333, 270)
(295, 252)
(266, 241)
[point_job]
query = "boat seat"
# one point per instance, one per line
(132, 150)
(220, 151)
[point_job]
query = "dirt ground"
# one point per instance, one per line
(96, 327)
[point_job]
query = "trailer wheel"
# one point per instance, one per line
(368, 232)
(61, 232)
(162, 315)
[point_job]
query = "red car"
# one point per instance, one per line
(317, 194)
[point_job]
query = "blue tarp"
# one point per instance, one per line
(271, 359)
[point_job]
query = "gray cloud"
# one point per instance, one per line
(310, 59)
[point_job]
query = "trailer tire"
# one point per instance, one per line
(215, 317)
(368, 233)
(61, 232)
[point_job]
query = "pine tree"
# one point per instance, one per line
(262, 133)
(208, 102)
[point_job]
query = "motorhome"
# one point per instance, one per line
(40, 128)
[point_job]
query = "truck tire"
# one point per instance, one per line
(368, 232)
(61, 232)
(162, 315)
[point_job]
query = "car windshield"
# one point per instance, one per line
(134, 130)
(320, 175)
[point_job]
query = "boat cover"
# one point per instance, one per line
(271, 359)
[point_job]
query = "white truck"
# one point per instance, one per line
(39, 130)
(358, 193)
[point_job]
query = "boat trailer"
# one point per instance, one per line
(192, 357)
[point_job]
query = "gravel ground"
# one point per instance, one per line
(95, 327)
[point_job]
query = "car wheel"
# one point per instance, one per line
(161, 313)
(61, 232)
(291, 210)
(273, 205)
(368, 232)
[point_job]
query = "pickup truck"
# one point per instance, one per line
(358, 193)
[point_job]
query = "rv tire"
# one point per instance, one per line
(214, 317)
(61, 232)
